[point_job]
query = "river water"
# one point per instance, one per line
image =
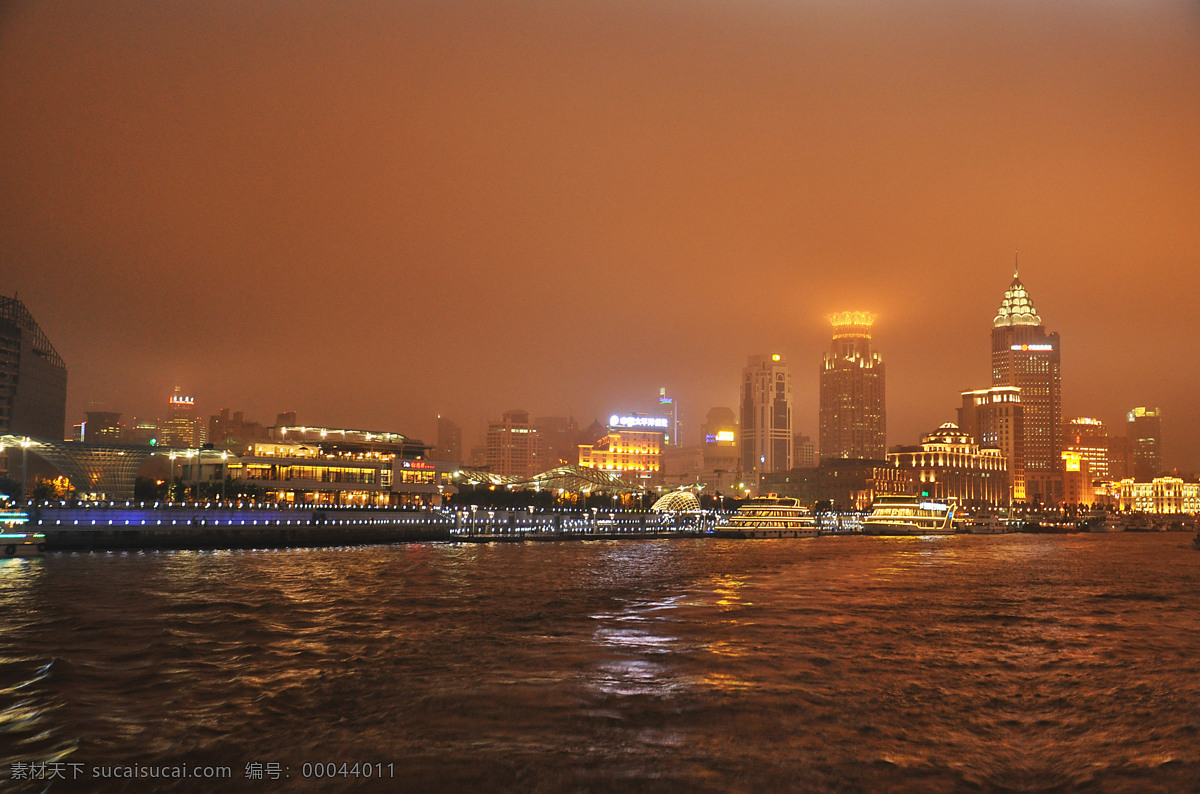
(958, 663)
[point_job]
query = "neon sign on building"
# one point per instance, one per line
(654, 422)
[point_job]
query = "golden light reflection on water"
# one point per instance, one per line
(728, 589)
(909, 552)
(726, 683)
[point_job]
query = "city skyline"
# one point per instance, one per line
(564, 210)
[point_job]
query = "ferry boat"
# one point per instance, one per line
(909, 515)
(985, 525)
(771, 517)
(14, 540)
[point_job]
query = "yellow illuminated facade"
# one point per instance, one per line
(1163, 495)
(1077, 480)
(995, 418)
(340, 467)
(950, 465)
(1088, 439)
(633, 455)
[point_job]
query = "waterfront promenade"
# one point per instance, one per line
(212, 525)
(248, 525)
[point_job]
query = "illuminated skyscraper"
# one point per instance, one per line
(181, 428)
(995, 418)
(512, 445)
(1088, 438)
(1145, 441)
(853, 414)
(766, 440)
(1025, 356)
(670, 409)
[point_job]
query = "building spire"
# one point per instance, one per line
(1016, 264)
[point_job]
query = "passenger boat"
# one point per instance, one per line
(909, 515)
(1103, 522)
(14, 540)
(1053, 524)
(771, 517)
(985, 525)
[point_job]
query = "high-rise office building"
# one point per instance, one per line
(33, 377)
(182, 427)
(102, 427)
(512, 445)
(804, 452)
(449, 441)
(557, 441)
(668, 407)
(853, 415)
(718, 436)
(995, 418)
(1024, 355)
(1087, 438)
(226, 430)
(766, 427)
(1145, 441)
(1120, 457)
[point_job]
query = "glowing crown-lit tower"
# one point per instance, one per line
(1025, 356)
(853, 415)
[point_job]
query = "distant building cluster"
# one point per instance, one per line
(1009, 445)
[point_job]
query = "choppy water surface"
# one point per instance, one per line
(1017, 662)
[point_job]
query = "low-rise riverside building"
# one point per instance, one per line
(316, 465)
(1163, 495)
(948, 464)
(633, 455)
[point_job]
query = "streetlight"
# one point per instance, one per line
(25, 443)
(190, 455)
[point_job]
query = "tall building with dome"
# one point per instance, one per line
(1024, 355)
(853, 415)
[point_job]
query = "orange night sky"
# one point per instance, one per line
(374, 212)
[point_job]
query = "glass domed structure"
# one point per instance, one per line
(677, 502)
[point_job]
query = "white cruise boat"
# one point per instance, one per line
(909, 515)
(14, 540)
(771, 517)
